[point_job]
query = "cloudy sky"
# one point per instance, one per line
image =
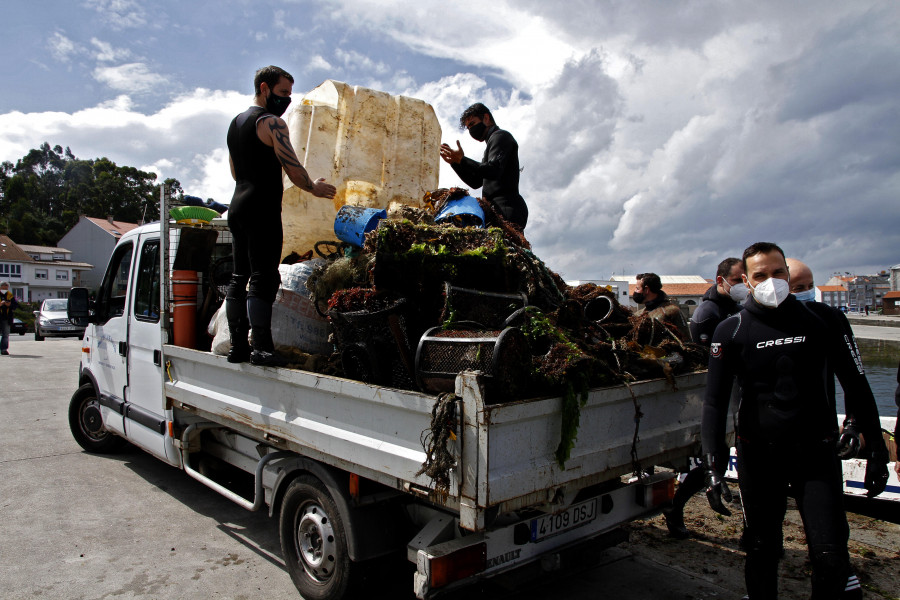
(654, 136)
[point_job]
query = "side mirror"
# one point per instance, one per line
(79, 306)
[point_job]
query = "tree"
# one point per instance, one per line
(43, 194)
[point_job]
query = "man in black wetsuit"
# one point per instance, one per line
(498, 171)
(719, 302)
(780, 351)
(259, 148)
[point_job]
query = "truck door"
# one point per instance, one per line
(145, 421)
(108, 346)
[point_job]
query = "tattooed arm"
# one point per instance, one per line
(273, 131)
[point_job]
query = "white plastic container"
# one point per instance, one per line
(379, 150)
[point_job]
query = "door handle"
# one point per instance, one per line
(123, 348)
(157, 358)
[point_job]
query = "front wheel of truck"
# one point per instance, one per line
(86, 423)
(314, 542)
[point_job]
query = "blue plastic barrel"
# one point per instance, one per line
(353, 222)
(465, 206)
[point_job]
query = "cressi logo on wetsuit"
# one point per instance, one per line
(782, 341)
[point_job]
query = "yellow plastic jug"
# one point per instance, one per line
(378, 149)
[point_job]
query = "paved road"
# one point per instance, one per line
(82, 526)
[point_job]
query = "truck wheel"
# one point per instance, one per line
(314, 541)
(37, 334)
(87, 424)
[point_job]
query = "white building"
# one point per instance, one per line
(36, 273)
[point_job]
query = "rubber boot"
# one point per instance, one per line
(263, 354)
(238, 328)
(674, 515)
(674, 512)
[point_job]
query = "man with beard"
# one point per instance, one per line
(498, 170)
(259, 147)
(780, 352)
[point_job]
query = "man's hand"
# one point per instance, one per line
(848, 444)
(320, 189)
(876, 473)
(450, 155)
(716, 489)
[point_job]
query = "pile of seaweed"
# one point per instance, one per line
(406, 279)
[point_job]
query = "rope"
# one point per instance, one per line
(635, 463)
(435, 441)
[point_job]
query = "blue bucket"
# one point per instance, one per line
(467, 206)
(353, 222)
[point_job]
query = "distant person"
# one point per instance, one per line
(867, 310)
(8, 304)
(259, 147)
(779, 351)
(719, 302)
(498, 170)
(656, 303)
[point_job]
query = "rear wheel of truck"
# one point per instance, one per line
(86, 423)
(314, 541)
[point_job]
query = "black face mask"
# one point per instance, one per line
(477, 131)
(638, 298)
(276, 104)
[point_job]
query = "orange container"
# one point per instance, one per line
(184, 308)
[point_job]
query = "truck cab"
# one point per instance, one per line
(122, 351)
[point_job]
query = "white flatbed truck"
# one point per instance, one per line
(335, 460)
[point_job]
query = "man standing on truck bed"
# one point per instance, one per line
(780, 352)
(259, 148)
(498, 170)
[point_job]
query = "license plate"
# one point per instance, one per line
(576, 515)
(68, 328)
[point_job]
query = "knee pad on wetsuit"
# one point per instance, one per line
(237, 287)
(265, 285)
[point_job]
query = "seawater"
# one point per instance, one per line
(880, 362)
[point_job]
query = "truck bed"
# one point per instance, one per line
(505, 452)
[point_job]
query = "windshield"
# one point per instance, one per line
(55, 305)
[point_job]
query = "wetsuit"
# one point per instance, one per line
(498, 172)
(254, 218)
(786, 433)
(713, 309)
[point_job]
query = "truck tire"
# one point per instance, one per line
(314, 542)
(86, 423)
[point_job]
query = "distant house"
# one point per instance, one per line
(892, 303)
(36, 273)
(835, 296)
(92, 240)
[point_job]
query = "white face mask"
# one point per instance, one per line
(771, 292)
(739, 292)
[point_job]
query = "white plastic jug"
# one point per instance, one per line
(379, 150)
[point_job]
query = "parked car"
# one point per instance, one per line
(17, 327)
(52, 320)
